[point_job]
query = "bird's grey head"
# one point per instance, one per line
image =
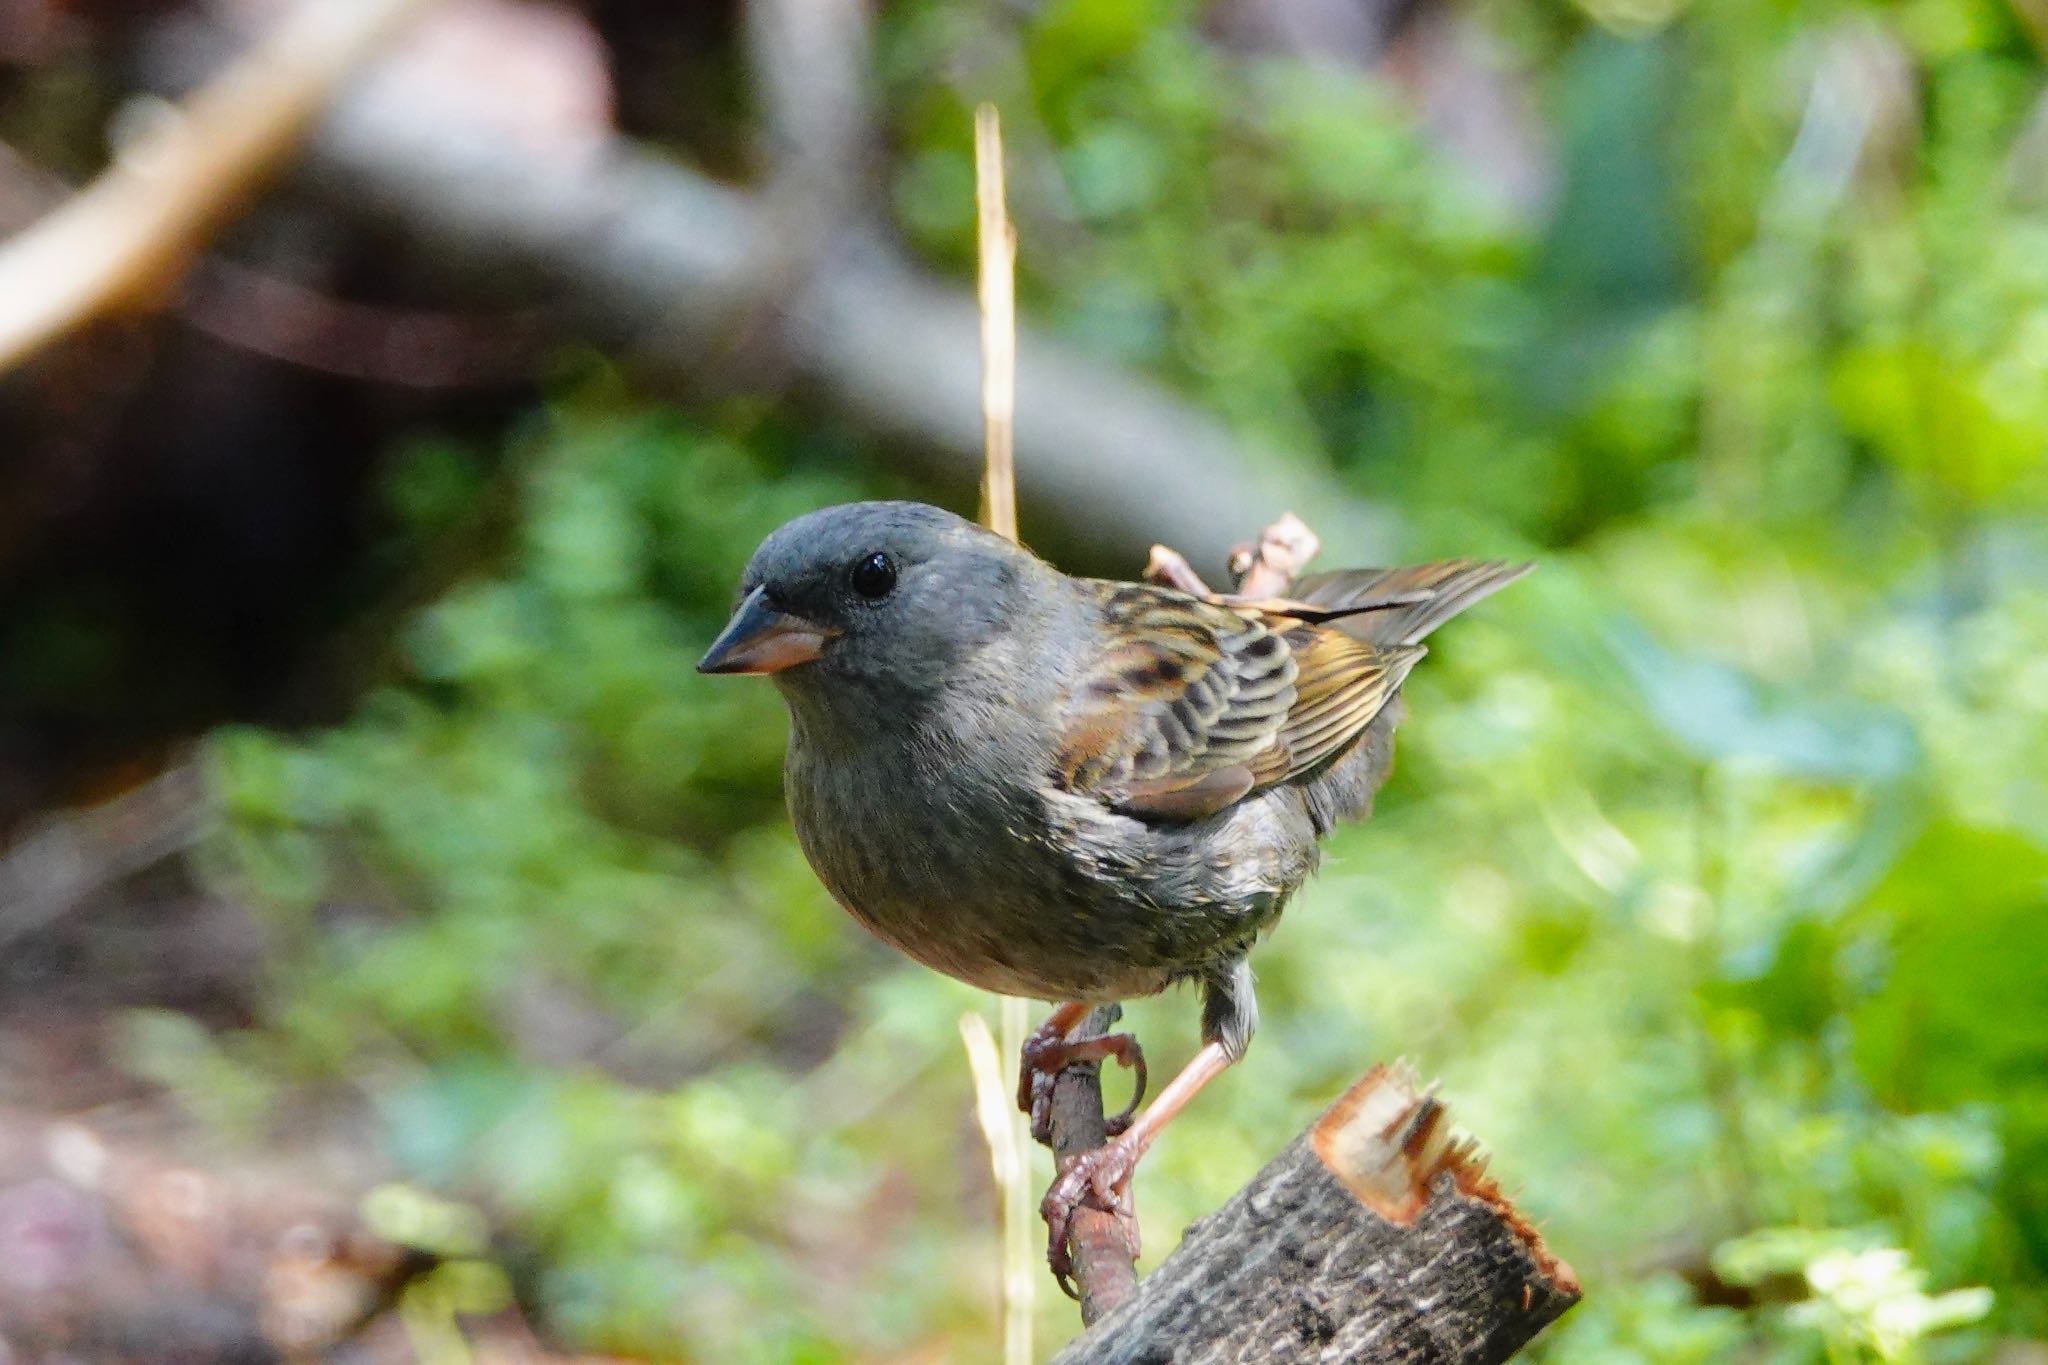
(870, 602)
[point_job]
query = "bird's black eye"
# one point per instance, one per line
(873, 577)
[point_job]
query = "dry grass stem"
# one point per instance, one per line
(998, 249)
(997, 293)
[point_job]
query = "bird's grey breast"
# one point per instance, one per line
(993, 876)
(934, 845)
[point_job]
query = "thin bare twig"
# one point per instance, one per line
(1105, 1269)
(1283, 550)
(1264, 568)
(1170, 568)
(65, 861)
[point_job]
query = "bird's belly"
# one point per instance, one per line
(1010, 920)
(1052, 898)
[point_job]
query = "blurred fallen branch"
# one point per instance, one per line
(648, 257)
(280, 319)
(810, 61)
(65, 860)
(1373, 1239)
(26, 190)
(128, 237)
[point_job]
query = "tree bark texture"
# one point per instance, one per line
(1298, 1267)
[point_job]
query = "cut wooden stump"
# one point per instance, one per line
(1313, 1261)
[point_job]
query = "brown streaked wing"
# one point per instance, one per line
(1200, 701)
(1342, 684)
(1433, 594)
(1171, 720)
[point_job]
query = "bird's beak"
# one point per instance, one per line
(760, 639)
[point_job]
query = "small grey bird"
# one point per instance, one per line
(1067, 788)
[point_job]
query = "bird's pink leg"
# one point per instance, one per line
(1101, 1176)
(1048, 1051)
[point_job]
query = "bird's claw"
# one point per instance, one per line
(1099, 1178)
(1047, 1052)
(1044, 1039)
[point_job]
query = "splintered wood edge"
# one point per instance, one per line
(1386, 1140)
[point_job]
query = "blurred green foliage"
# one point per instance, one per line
(1714, 878)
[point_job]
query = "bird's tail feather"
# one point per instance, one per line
(1440, 591)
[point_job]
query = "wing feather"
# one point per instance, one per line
(1201, 701)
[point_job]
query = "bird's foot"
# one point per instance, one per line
(1099, 1178)
(1048, 1051)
